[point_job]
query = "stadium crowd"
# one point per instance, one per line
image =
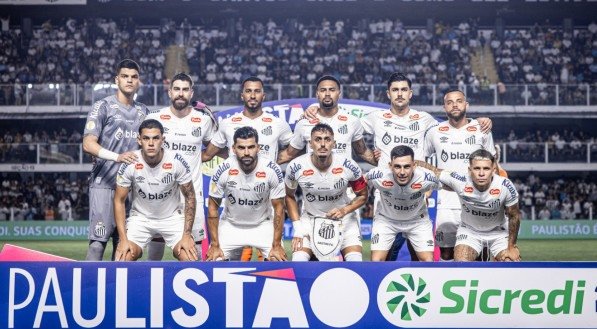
(82, 51)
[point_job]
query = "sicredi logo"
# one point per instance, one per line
(417, 297)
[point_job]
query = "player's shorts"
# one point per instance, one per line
(141, 230)
(495, 240)
(447, 222)
(101, 214)
(418, 231)
(351, 232)
(235, 237)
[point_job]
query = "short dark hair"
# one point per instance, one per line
(402, 151)
(151, 124)
(481, 154)
(322, 127)
(182, 77)
(245, 132)
(127, 64)
(397, 77)
(251, 79)
(327, 78)
(454, 90)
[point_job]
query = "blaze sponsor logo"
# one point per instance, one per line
(342, 117)
(416, 186)
(444, 128)
(267, 120)
(308, 172)
(387, 183)
(337, 171)
(195, 119)
(468, 189)
(387, 115)
(165, 117)
(237, 119)
(494, 191)
(139, 166)
(471, 128)
(414, 117)
(167, 165)
(233, 172)
(260, 174)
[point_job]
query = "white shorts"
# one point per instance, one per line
(351, 232)
(495, 240)
(447, 222)
(141, 230)
(233, 237)
(418, 231)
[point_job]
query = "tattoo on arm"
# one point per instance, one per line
(278, 205)
(364, 152)
(513, 214)
(189, 206)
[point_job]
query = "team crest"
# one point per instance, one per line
(100, 229)
(168, 178)
(196, 132)
(260, 188)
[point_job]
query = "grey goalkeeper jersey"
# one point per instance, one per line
(115, 126)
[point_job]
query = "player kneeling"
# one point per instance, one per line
(402, 208)
(327, 226)
(156, 181)
(250, 186)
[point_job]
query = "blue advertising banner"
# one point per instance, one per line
(297, 295)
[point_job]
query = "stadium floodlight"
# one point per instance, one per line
(29, 86)
(51, 86)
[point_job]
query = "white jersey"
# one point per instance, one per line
(247, 196)
(483, 211)
(273, 132)
(347, 129)
(155, 190)
(391, 130)
(324, 191)
(452, 148)
(186, 136)
(402, 203)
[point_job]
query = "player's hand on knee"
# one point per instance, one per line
(186, 248)
(336, 213)
(277, 253)
(123, 251)
(127, 157)
(214, 254)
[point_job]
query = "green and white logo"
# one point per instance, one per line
(402, 297)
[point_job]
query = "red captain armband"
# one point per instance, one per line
(359, 184)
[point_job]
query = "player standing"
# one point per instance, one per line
(324, 177)
(156, 181)
(250, 185)
(453, 141)
(402, 207)
(110, 136)
(186, 131)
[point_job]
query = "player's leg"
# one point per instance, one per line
(352, 245)
(446, 224)
(469, 244)
(383, 235)
(101, 222)
(420, 235)
(498, 243)
(305, 253)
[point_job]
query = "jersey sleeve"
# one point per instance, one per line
(452, 179)
(124, 177)
(431, 181)
(210, 130)
(373, 176)
(298, 142)
(511, 195)
(290, 179)
(367, 123)
(428, 148)
(219, 138)
(488, 143)
(285, 133)
(277, 189)
(218, 181)
(96, 119)
(358, 130)
(183, 170)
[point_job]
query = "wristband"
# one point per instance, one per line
(297, 228)
(107, 155)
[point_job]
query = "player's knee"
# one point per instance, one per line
(425, 256)
(300, 256)
(155, 250)
(95, 251)
(353, 256)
